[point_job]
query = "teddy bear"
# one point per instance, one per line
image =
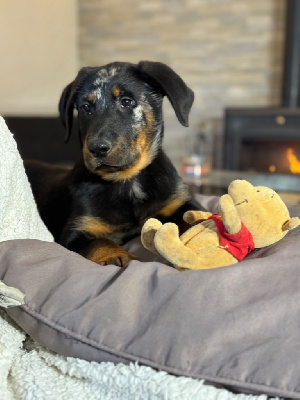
(249, 217)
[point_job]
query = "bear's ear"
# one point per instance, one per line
(68, 100)
(167, 82)
(291, 224)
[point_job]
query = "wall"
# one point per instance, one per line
(228, 51)
(38, 47)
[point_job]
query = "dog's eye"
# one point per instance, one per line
(127, 102)
(87, 108)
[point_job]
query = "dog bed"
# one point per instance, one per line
(146, 331)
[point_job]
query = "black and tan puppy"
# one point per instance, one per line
(123, 177)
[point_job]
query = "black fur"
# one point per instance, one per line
(123, 176)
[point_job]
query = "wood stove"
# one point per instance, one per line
(262, 140)
(268, 139)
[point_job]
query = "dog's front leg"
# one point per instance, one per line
(99, 250)
(105, 252)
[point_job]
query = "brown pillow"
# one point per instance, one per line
(237, 326)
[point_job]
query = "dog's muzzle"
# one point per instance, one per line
(103, 155)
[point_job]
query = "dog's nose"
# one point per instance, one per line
(100, 149)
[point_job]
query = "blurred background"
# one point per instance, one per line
(230, 52)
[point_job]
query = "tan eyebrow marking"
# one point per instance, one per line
(116, 92)
(91, 97)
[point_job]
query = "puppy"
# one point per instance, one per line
(123, 177)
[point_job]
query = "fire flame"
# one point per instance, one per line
(293, 161)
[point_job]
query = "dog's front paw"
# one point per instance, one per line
(119, 257)
(120, 260)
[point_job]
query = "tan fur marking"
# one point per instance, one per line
(89, 161)
(149, 119)
(92, 97)
(85, 149)
(116, 92)
(93, 226)
(173, 205)
(142, 141)
(128, 173)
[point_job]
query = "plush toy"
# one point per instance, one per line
(249, 217)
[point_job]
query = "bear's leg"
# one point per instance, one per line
(151, 226)
(169, 245)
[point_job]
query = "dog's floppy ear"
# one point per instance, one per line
(66, 106)
(171, 85)
(68, 99)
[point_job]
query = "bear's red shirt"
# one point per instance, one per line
(238, 244)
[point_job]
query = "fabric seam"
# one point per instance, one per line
(133, 357)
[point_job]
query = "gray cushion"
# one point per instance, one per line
(237, 326)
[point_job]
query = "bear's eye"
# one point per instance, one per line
(263, 195)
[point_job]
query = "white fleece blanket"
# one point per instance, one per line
(29, 371)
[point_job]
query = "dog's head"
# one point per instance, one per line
(120, 114)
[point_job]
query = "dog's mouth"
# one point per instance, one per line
(114, 165)
(108, 168)
(111, 168)
(97, 166)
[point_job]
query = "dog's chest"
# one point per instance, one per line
(120, 209)
(137, 193)
(117, 204)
